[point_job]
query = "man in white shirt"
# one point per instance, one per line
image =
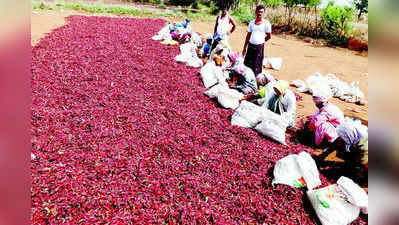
(259, 32)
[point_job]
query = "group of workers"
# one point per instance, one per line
(327, 123)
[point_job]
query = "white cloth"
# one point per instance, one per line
(258, 32)
(223, 27)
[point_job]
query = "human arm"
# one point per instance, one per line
(246, 43)
(268, 36)
(268, 30)
(233, 24)
(216, 26)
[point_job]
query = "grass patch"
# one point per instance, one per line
(90, 8)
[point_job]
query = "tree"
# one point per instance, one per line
(362, 6)
(231, 4)
(291, 4)
(273, 3)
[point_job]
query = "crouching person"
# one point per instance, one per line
(246, 81)
(355, 139)
(278, 98)
(325, 121)
(206, 49)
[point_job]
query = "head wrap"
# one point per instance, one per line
(240, 69)
(321, 95)
(350, 133)
(234, 56)
(208, 37)
(319, 99)
(282, 86)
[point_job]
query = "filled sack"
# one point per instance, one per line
(339, 204)
(297, 171)
(247, 115)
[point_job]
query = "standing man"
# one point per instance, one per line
(222, 28)
(259, 32)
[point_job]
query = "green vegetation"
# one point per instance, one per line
(300, 17)
(243, 13)
(91, 8)
(362, 6)
(336, 23)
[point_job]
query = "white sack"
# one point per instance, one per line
(194, 62)
(229, 98)
(331, 209)
(299, 83)
(272, 63)
(213, 92)
(339, 204)
(309, 170)
(355, 194)
(247, 115)
(273, 126)
(208, 74)
(290, 169)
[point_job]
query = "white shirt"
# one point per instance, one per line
(223, 27)
(258, 32)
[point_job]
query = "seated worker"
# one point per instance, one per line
(325, 121)
(278, 98)
(175, 26)
(220, 54)
(206, 49)
(355, 138)
(181, 32)
(245, 75)
(351, 133)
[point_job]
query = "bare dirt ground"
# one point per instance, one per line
(300, 59)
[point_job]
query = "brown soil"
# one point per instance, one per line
(300, 59)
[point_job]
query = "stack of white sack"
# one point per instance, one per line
(266, 122)
(332, 86)
(188, 55)
(339, 204)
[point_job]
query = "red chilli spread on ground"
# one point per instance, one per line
(124, 135)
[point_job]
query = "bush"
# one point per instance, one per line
(272, 3)
(244, 13)
(212, 7)
(335, 23)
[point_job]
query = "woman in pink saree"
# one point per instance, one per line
(325, 121)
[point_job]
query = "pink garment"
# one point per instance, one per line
(234, 56)
(324, 123)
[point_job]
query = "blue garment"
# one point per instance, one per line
(249, 80)
(207, 48)
(285, 106)
(177, 25)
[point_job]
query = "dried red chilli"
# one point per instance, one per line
(123, 134)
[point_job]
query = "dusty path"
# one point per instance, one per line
(300, 59)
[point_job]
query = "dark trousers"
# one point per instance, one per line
(254, 57)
